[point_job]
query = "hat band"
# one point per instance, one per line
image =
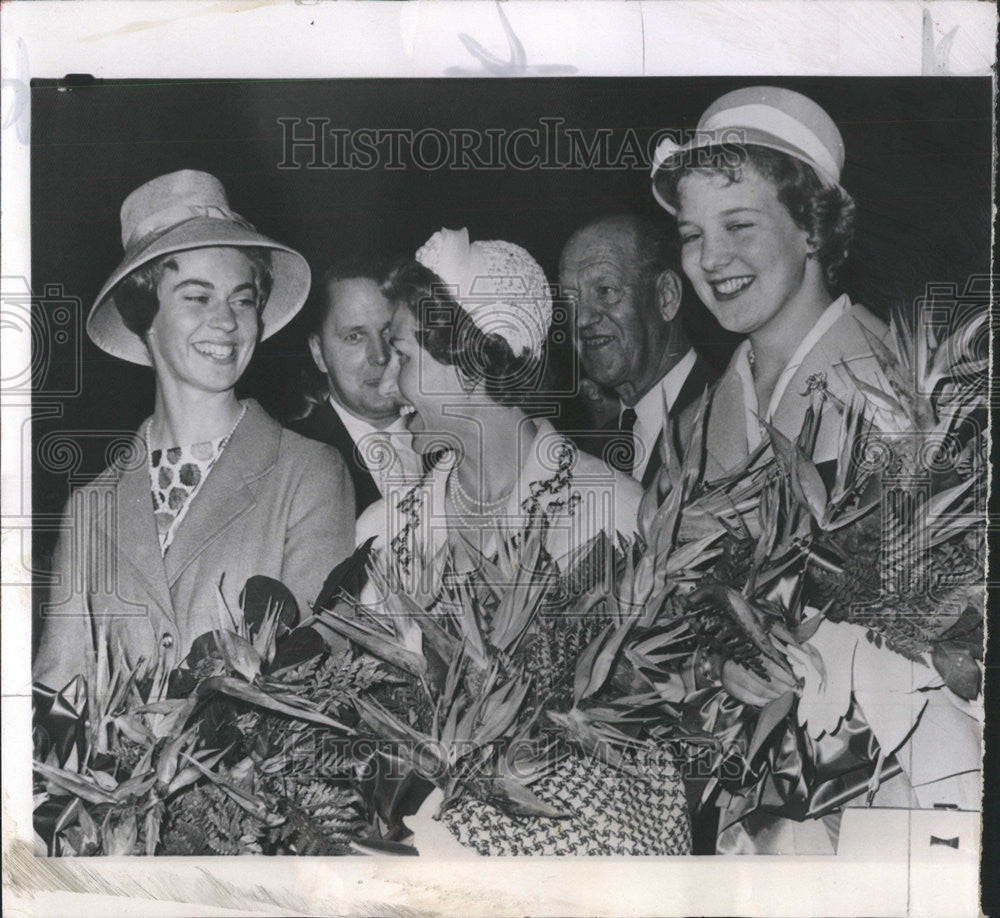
(170, 217)
(781, 125)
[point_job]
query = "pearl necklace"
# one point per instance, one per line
(469, 503)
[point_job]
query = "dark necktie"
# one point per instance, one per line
(621, 451)
(655, 462)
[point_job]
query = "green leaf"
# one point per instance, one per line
(500, 711)
(381, 645)
(585, 664)
(514, 799)
(771, 715)
(606, 657)
(693, 554)
(187, 776)
(956, 664)
(251, 694)
(469, 622)
(386, 723)
(784, 448)
(852, 429)
(876, 396)
(79, 786)
(694, 453)
(648, 505)
(134, 730)
(136, 786)
(239, 654)
(254, 805)
(450, 729)
(807, 484)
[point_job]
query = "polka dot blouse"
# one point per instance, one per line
(176, 474)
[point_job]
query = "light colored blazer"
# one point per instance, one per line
(274, 503)
(726, 443)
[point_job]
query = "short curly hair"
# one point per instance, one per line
(448, 333)
(136, 299)
(825, 212)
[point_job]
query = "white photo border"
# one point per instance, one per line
(170, 39)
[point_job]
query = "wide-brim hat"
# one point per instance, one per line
(763, 116)
(180, 211)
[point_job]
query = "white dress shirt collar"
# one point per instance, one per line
(649, 410)
(357, 427)
(395, 436)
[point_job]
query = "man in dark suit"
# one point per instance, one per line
(346, 326)
(620, 273)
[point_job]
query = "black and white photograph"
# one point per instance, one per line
(504, 467)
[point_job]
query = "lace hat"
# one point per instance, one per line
(762, 116)
(500, 286)
(180, 211)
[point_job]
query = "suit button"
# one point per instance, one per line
(167, 641)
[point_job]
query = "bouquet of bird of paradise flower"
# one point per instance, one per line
(242, 749)
(836, 638)
(499, 710)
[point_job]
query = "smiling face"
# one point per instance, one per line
(351, 351)
(205, 329)
(620, 334)
(745, 255)
(422, 384)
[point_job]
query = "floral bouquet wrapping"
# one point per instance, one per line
(831, 655)
(485, 728)
(242, 749)
(456, 710)
(783, 643)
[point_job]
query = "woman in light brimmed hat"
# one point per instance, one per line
(215, 490)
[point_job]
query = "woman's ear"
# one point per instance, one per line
(472, 384)
(668, 294)
(317, 354)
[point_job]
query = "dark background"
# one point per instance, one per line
(919, 164)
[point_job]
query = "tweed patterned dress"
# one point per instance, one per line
(608, 812)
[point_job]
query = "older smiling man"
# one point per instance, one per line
(619, 273)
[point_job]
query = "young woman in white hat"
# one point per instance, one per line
(214, 490)
(765, 227)
(467, 341)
